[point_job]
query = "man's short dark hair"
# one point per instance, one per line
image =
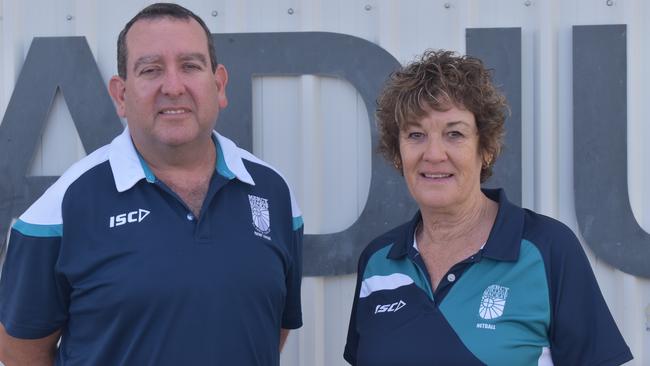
(157, 11)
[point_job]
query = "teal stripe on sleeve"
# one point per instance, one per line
(41, 231)
(297, 223)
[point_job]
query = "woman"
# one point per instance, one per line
(472, 279)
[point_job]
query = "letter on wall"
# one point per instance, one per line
(366, 66)
(52, 63)
(500, 50)
(602, 200)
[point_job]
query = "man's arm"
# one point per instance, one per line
(33, 352)
(284, 333)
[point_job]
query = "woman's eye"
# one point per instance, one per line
(455, 134)
(415, 135)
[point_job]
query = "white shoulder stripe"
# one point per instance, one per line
(47, 209)
(378, 283)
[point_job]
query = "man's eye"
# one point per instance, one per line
(148, 71)
(191, 67)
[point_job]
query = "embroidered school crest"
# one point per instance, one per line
(260, 213)
(493, 302)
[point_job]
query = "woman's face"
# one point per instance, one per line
(440, 159)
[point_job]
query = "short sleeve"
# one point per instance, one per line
(582, 330)
(33, 298)
(292, 314)
(352, 343)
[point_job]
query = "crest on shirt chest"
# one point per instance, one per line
(493, 303)
(260, 215)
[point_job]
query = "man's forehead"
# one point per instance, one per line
(163, 19)
(161, 28)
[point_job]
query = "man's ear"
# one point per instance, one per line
(117, 88)
(221, 80)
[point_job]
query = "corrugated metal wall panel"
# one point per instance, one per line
(296, 119)
(4, 85)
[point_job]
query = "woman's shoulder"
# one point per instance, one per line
(539, 225)
(553, 238)
(397, 236)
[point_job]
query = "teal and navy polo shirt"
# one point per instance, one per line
(528, 297)
(112, 257)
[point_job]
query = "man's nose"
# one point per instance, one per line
(173, 84)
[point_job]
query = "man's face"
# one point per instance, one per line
(170, 98)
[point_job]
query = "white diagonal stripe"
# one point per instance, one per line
(377, 283)
(545, 358)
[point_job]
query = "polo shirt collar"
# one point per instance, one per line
(128, 167)
(229, 160)
(505, 237)
(503, 242)
(404, 239)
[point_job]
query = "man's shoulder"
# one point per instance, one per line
(271, 183)
(261, 171)
(47, 208)
(265, 180)
(244, 165)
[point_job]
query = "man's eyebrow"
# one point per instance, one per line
(145, 60)
(149, 59)
(194, 56)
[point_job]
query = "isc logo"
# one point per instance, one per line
(390, 308)
(133, 216)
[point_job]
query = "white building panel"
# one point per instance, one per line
(316, 131)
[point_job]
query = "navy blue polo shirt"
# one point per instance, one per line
(113, 258)
(528, 297)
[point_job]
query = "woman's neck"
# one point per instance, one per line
(463, 225)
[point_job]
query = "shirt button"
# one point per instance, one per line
(451, 277)
(190, 216)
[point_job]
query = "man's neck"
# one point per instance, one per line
(185, 170)
(189, 158)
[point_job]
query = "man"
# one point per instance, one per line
(169, 246)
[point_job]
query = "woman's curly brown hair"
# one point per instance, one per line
(438, 80)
